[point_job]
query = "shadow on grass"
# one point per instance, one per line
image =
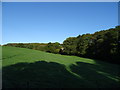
(98, 75)
(43, 74)
(39, 75)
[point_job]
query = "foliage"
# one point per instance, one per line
(103, 45)
(69, 46)
(47, 47)
(53, 47)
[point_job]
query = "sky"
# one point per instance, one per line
(0, 23)
(43, 22)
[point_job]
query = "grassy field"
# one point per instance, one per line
(26, 68)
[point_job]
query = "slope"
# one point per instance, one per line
(26, 68)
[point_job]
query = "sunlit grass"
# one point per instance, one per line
(79, 72)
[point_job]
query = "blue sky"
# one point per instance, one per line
(39, 22)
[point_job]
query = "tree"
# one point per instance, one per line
(53, 47)
(69, 46)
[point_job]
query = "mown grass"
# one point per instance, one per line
(26, 68)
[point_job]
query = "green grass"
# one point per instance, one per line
(26, 68)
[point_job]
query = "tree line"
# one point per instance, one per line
(47, 47)
(103, 45)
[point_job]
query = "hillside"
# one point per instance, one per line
(102, 45)
(27, 68)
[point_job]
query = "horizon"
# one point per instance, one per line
(54, 22)
(49, 42)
